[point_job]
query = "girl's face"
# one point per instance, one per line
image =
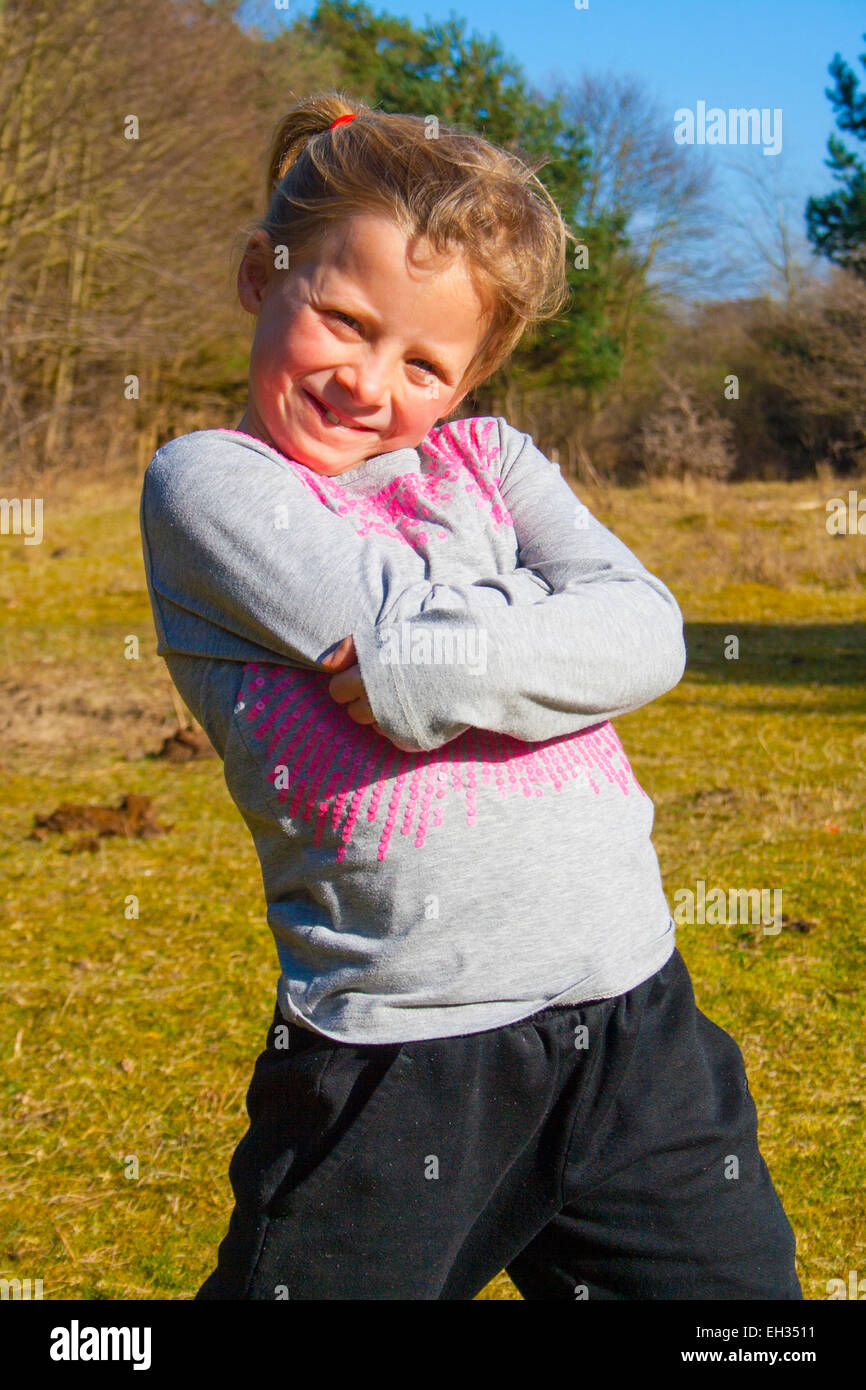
(365, 331)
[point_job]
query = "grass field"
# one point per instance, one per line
(130, 1038)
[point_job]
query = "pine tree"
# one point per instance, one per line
(836, 224)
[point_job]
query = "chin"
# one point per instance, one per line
(316, 457)
(317, 463)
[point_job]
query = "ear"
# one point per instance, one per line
(254, 271)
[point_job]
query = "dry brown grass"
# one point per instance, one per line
(135, 1036)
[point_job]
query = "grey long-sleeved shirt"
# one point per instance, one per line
(489, 854)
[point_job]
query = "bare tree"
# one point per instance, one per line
(767, 225)
(124, 183)
(678, 439)
(666, 190)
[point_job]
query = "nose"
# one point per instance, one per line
(366, 378)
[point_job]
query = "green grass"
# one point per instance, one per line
(133, 1037)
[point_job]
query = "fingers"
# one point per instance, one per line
(347, 689)
(346, 686)
(342, 656)
(360, 711)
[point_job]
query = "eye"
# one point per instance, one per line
(427, 367)
(346, 318)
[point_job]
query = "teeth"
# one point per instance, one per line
(334, 419)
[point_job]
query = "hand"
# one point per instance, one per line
(346, 687)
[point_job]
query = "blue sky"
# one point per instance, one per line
(734, 53)
(764, 53)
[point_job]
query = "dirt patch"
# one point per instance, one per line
(709, 798)
(57, 710)
(186, 744)
(135, 816)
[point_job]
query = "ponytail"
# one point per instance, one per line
(305, 121)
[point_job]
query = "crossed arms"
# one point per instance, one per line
(578, 633)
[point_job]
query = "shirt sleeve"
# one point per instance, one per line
(608, 638)
(244, 563)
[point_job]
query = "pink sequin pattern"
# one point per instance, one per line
(456, 455)
(326, 768)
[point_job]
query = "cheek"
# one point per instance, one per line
(429, 408)
(267, 354)
(284, 344)
(426, 413)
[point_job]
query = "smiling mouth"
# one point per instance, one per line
(329, 416)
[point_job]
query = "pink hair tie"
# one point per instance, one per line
(341, 120)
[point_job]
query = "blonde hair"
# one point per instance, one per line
(456, 190)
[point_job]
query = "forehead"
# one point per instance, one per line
(371, 248)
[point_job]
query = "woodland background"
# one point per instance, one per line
(118, 255)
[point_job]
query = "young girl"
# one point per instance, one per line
(407, 641)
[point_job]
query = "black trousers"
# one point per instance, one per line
(599, 1151)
